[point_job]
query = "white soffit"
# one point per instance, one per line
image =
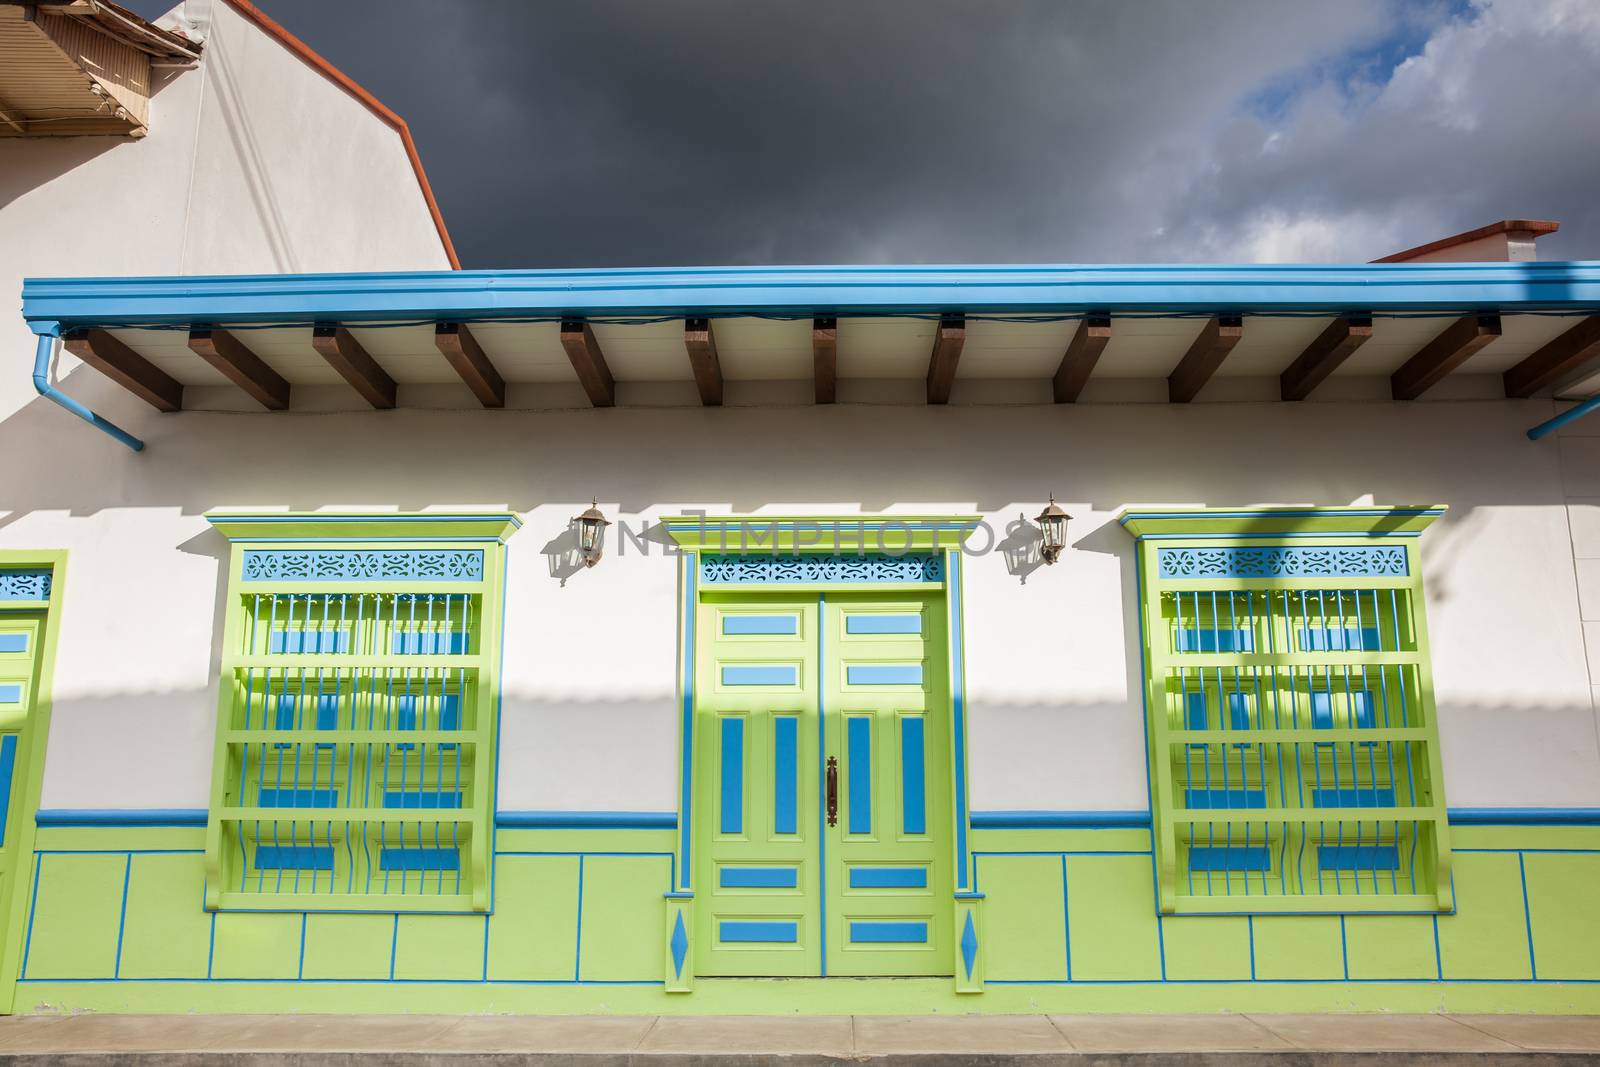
(753, 350)
(885, 348)
(1146, 348)
(1520, 337)
(1269, 345)
(169, 351)
(1393, 341)
(645, 351)
(525, 351)
(1005, 350)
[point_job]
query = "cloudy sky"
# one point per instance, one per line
(618, 132)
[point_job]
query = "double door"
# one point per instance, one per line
(822, 807)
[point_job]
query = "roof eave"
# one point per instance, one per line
(1143, 289)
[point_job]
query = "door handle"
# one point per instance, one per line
(833, 791)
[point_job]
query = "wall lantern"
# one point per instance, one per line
(1053, 524)
(591, 533)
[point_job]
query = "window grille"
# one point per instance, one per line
(1294, 751)
(355, 750)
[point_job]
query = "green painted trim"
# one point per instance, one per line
(757, 534)
(28, 773)
(1241, 522)
(340, 527)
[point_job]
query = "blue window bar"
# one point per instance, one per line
(351, 751)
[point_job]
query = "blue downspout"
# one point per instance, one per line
(1576, 411)
(41, 382)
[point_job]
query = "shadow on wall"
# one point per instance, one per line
(27, 164)
(840, 458)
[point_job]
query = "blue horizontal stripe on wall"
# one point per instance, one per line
(759, 878)
(419, 859)
(1224, 798)
(294, 858)
(1060, 820)
(298, 798)
(888, 878)
(776, 674)
(1357, 797)
(13, 642)
(883, 674)
(888, 933)
(1525, 816)
(115, 817)
(760, 625)
(1223, 858)
(1358, 858)
(422, 798)
(10, 694)
(781, 933)
(583, 820)
(883, 624)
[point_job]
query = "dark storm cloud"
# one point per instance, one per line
(642, 132)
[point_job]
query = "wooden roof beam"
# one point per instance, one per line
(588, 362)
(702, 348)
(825, 358)
(127, 368)
(948, 341)
(1083, 352)
(1454, 346)
(1195, 369)
(1322, 357)
(345, 354)
(241, 366)
(1557, 359)
(456, 343)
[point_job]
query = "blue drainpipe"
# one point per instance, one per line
(1576, 411)
(41, 382)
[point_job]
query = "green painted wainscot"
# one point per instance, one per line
(117, 924)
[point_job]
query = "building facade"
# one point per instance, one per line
(690, 640)
(339, 718)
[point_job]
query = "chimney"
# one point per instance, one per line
(1506, 241)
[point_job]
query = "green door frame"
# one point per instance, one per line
(32, 731)
(884, 554)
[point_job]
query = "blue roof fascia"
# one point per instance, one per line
(1570, 287)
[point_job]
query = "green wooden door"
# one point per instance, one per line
(757, 857)
(885, 691)
(784, 685)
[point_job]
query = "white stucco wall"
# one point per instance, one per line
(589, 718)
(255, 163)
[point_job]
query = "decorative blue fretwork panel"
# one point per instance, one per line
(370, 565)
(1286, 561)
(24, 585)
(794, 570)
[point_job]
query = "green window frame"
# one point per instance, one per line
(1294, 747)
(357, 713)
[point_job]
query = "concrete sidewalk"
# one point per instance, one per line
(316, 1040)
